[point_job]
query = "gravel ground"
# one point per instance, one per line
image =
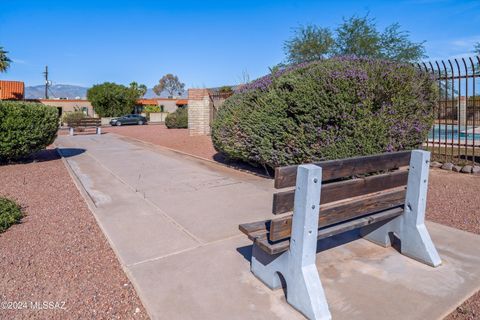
(58, 253)
(453, 198)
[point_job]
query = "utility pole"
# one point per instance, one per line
(46, 82)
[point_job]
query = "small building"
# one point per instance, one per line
(12, 90)
(169, 105)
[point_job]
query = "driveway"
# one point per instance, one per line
(173, 222)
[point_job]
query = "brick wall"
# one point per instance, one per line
(198, 112)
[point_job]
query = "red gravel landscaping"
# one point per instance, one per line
(58, 253)
(454, 200)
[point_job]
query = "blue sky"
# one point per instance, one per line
(206, 43)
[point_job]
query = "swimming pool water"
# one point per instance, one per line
(442, 132)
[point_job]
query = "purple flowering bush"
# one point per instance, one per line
(328, 109)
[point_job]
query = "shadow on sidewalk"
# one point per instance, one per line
(46, 155)
(243, 166)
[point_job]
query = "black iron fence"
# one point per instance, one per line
(455, 135)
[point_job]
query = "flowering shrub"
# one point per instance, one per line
(327, 109)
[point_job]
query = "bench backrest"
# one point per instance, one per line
(85, 122)
(351, 188)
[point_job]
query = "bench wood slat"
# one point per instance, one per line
(334, 213)
(278, 247)
(85, 122)
(334, 169)
(254, 229)
(283, 201)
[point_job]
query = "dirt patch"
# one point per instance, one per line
(58, 257)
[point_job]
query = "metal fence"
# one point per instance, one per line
(455, 135)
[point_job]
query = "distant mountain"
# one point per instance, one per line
(56, 91)
(71, 92)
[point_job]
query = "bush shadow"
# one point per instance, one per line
(47, 155)
(243, 166)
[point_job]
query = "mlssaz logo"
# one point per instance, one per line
(47, 305)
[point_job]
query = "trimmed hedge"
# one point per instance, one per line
(177, 119)
(25, 128)
(10, 213)
(329, 109)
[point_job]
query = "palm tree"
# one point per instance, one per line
(4, 60)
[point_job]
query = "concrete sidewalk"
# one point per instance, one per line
(173, 222)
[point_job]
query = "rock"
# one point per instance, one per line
(457, 168)
(447, 166)
(435, 164)
(476, 170)
(467, 169)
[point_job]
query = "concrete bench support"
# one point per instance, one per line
(297, 265)
(410, 227)
(70, 131)
(99, 130)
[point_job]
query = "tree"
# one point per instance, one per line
(139, 90)
(171, 84)
(357, 36)
(308, 44)
(477, 48)
(395, 45)
(112, 100)
(4, 60)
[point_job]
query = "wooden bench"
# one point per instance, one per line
(384, 195)
(86, 123)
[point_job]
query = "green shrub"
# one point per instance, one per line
(72, 117)
(177, 119)
(112, 100)
(329, 109)
(25, 128)
(10, 213)
(151, 109)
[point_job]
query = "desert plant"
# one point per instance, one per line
(177, 119)
(25, 128)
(327, 109)
(10, 213)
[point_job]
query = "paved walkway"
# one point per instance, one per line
(173, 222)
